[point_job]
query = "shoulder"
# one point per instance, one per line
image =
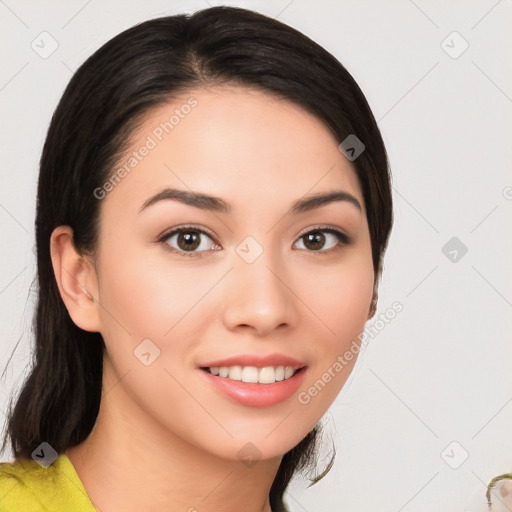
(26, 486)
(17, 486)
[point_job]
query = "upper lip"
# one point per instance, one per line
(260, 361)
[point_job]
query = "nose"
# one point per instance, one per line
(259, 297)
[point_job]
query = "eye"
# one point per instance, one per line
(316, 239)
(187, 239)
(191, 241)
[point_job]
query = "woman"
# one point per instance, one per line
(213, 209)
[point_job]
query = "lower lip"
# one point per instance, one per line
(255, 394)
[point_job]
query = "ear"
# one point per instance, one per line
(76, 279)
(373, 305)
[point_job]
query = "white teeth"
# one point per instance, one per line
(250, 374)
(266, 375)
(288, 372)
(280, 373)
(235, 373)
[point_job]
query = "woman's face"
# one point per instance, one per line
(245, 281)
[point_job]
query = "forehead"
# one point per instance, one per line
(236, 143)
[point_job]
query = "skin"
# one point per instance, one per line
(165, 439)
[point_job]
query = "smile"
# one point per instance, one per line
(252, 374)
(254, 393)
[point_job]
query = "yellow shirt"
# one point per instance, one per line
(26, 486)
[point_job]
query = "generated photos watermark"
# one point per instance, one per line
(343, 360)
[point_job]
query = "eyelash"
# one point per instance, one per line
(343, 240)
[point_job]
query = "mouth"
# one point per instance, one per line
(253, 374)
(253, 386)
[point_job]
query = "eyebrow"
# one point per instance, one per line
(216, 204)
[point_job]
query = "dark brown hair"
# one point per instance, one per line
(108, 96)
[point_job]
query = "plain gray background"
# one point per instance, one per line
(424, 421)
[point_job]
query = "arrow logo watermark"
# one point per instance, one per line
(351, 147)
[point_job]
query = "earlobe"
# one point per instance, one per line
(76, 280)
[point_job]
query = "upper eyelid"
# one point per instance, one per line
(171, 232)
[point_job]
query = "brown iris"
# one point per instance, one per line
(316, 238)
(189, 240)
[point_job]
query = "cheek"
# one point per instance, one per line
(143, 287)
(144, 295)
(341, 298)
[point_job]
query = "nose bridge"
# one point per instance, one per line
(258, 296)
